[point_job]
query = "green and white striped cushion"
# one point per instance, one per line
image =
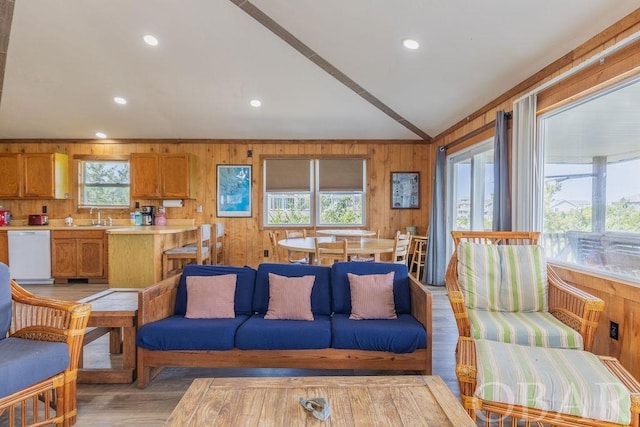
(524, 284)
(479, 275)
(539, 329)
(565, 381)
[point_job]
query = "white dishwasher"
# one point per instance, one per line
(30, 256)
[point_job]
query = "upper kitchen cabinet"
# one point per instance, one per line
(163, 176)
(34, 176)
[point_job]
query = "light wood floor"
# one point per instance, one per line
(126, 405)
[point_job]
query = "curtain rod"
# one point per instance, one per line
(490, 125)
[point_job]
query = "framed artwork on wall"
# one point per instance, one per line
(405, 190)
(233, 196)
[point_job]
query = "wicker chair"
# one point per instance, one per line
(570, 305)
(34, 318)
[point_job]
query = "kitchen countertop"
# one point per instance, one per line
(118, 227)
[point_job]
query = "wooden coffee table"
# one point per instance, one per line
(409, 400)
(113, 311)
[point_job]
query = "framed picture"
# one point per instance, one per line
(234, 191)
(405, 190)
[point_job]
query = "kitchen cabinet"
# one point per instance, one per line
(4, 247)
(78, 254)
(34, 176)
(163, 176)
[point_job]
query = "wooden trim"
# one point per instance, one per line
(180, 141)
(474, 136)
(99, 157)
(615, 68)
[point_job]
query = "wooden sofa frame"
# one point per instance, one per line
(575, 308)
(158, 302)
(46, 319)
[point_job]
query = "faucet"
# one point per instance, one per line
(91, 213)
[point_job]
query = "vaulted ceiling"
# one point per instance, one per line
(330, 69)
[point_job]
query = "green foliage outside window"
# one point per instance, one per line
(104, 183)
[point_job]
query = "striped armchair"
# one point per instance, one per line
(501, 288)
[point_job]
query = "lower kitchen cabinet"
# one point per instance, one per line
(78, 254)
(4, 247)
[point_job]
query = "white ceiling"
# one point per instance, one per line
(67, 59)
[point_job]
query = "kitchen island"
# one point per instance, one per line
(135, 252)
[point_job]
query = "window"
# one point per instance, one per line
(103, 183)
(470, 188)
(591, 173)
(310, 192)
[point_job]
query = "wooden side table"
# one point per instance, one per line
(114, 311)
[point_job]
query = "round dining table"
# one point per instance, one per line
(363, 246)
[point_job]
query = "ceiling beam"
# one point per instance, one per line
(6, 16)
(325, 65)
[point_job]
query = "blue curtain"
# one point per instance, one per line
(501, 179)
(435, 262)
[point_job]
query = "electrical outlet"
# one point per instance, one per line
(199, 208)
(613, 330)
(266, 253)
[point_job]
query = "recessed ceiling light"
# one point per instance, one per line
(255, 103)
(150, 40)
(410, 44)
(101, 135)
(119, 100)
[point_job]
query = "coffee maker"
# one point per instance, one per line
(148, 213)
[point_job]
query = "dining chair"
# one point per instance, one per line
(296, 257)
(197, 253)
(401, 248)
(329, 252)
(275, 251)
(219, 243)
(366, 257)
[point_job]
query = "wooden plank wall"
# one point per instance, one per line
(246, 239)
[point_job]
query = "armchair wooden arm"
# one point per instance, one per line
(574, 307)
(422, 309)
(158, 301)
(455, 297)
(47, 319)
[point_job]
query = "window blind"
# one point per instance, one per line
(287, 175)
(341, 175)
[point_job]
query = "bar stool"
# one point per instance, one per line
(418, 256)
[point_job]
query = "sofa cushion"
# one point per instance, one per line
(551, 380)
(342, 293)
(244, 285)
(320, 294)
(27, 362)
(372, 296)
(180, 333)
(258, 333)
(5, 300)
(524, 285)
(211, 297)
(290, 298)
(479, 275)
(528, 328)
(402, 335)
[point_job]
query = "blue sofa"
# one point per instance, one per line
(166, 338)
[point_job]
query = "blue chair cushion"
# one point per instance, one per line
(402, 335)
(5, 300)
(320, 294)
(180, 333)
(260, 334)
(27, 362)
(342, 291)
(244, 285)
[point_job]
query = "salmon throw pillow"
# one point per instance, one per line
(290, 297)
(211, 297)
(372, 296)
